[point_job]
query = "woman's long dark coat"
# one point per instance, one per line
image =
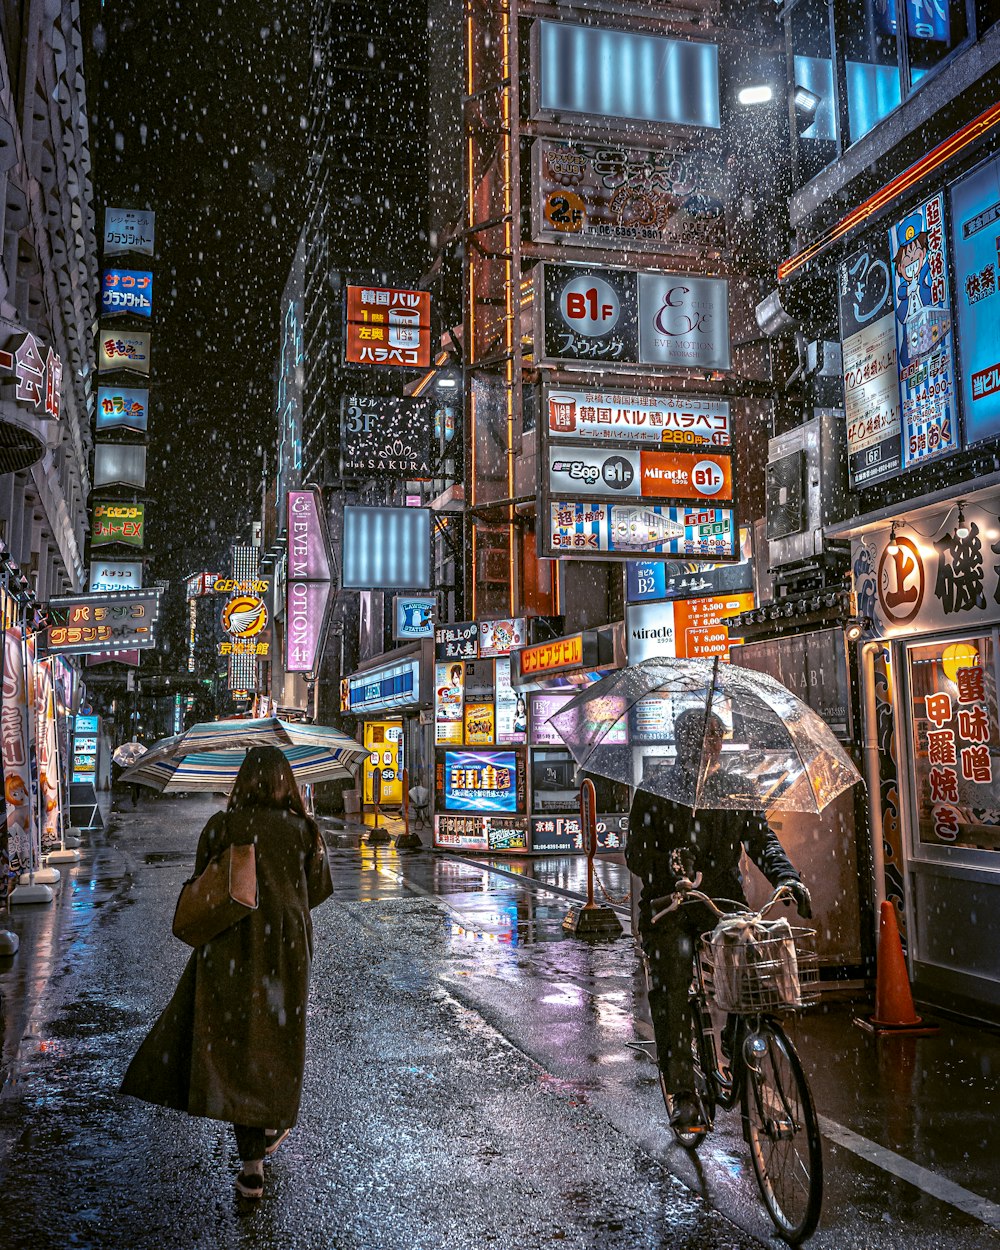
(230, 1044)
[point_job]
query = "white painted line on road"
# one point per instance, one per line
(932, 1183)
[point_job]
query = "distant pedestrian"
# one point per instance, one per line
(230, 1044)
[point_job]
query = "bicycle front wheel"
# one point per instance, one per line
(782, 1131)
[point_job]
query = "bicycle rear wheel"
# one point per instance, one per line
(702, 1083)
(782, 1131)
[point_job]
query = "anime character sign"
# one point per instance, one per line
(924, 343)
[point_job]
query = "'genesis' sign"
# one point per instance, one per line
(308, 588)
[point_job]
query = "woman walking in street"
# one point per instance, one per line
(230, 1044)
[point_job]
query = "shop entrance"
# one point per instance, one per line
(949, 714)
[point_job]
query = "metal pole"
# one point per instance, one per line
(406, 801)
(588, 827)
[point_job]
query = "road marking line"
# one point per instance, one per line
(932, 1183)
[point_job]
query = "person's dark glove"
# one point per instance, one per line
(801, 896)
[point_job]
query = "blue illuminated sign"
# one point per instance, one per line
(127, 291)
(618, 73)
(386, 549)
(480, 781)
(121, 407)
(385, 687)
(975, 215)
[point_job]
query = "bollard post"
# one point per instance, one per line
(407, 841)
(377, 835)
(592, 919)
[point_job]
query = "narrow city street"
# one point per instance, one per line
(470, 1081)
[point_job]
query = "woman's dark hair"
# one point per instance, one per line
(266, 779)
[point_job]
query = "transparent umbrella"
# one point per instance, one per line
(776, 753)
(128, 753)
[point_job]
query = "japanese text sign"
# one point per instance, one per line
(975, 205)
(922, 583)
(956, 743)
(577, 470)
(604, 316)
(127, 291)
(37, 372)
(871, 385)
(116, 522)
(629, 418)
(387, 326)
(925, 342)
(382, 436)
(618, 196)
(308, 587)
(129, 230)
(122, 408)
(124, 349)
(624, 531)
(115, 575)
(121, 620)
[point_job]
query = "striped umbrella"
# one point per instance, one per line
(208, 756)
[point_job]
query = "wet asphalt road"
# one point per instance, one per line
(469, 1083)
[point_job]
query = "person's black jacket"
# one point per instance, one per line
(667, 840)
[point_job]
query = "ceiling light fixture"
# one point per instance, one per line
(961, 529)
(892, 547)
(760, 93)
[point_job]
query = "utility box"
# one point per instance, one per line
(805, 484)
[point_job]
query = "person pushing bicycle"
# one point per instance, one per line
(667, 841)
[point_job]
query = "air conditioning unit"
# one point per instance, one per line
(806, 482)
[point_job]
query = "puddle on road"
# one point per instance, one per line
(502, 917)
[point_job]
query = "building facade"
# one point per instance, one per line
(890, 277)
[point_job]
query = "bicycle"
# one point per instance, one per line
(751, 983)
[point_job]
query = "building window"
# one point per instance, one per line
(934, 28)
(812, 67)
(855, 61)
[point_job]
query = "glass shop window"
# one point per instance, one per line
(867, 41)
(956, 744)
(554, 787)
(813, 93)
(934, 28)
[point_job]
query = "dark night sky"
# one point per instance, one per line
(196, 111)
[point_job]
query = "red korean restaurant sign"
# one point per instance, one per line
(387, 326)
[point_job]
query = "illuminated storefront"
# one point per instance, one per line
(386, 697)
(931, 588)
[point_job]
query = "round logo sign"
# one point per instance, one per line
(707, 477)
(900, 582)
(565, 211)
(245, 616)
(618, 474)
(589, 305)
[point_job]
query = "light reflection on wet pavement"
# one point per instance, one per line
(470, 1079)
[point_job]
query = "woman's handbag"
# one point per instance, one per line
(219, 897)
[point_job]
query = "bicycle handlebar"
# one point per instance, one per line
(686, 891)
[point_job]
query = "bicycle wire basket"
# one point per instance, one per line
(771, 974)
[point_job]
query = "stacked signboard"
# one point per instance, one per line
(118, 502)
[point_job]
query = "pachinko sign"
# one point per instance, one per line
(630, 418)
(599, 530)
(387, 326)
(122, 620)
(37, 371)
(485, 781)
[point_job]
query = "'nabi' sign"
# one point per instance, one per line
(308, 588)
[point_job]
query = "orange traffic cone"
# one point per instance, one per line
(894, 1011)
